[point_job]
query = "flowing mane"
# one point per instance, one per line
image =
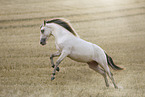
(64, 24)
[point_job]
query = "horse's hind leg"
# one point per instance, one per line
(111, 77)
(94, 65)
(106, 68)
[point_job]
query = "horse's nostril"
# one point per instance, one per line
(42, 31)
(40, 42)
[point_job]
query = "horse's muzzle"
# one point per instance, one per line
(43, 41)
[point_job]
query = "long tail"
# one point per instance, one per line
(111, 63)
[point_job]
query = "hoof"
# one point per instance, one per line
(116, 87)
(57, 69)
(107, 85)
(53, 66)
(52, 78)
(53, 73)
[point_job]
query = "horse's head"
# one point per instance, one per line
(44, 33)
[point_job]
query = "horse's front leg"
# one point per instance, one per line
(54, 55)
(62, 56)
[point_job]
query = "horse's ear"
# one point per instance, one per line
(44, 22)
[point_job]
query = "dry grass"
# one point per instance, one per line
(118, 26)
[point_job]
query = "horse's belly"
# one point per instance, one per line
(82, 53)
(80, 58)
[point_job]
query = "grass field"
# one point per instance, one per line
(118, 26)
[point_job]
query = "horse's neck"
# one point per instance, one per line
(59, 33)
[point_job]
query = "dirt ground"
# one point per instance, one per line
(118, 26)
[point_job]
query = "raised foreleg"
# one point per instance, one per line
(64, 54)
(54, 55)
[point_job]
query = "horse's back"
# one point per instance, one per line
(84, 51)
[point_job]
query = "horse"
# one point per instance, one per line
(69, 44)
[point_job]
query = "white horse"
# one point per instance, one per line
(70, 45)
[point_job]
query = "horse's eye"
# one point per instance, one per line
(41, 26)
(42, 31)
